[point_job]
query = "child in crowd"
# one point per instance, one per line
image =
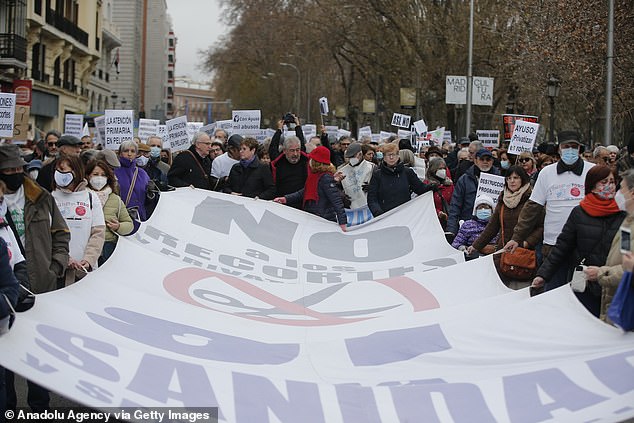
(472, 228)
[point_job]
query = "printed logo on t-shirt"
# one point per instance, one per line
(575, 192)
(80, 210)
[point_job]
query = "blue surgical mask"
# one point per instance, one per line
(379, 155)
(155, 152)
(569, 155)
(483, 214)
(141, 161)
(505, 164)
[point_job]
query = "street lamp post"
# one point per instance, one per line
(298, 83)
(114, 97)
(553, 92)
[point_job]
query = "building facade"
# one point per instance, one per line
(196, 101)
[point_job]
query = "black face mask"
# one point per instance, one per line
(14, 181)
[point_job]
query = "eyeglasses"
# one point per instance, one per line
(51, 144)
(206, 143)
(391, 155)
(524, 160)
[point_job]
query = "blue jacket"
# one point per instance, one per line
(330, 203)
(464, 194)
(392, 186)
(8, 282)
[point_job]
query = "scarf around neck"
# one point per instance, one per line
(597, 207)
(312, 182)
(512, 199)
(103, 194)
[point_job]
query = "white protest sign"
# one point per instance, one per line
(147, 128)
(226, 125)
(310, 130)
(365, 131)
(192, 128)
(437, 135)
(260, 135)
(100, 129)
(524, 136)
(208, 129)
(7, 114)
(177, 133)
(343, 133)
(491, 185)
(421, 126)
(402, 121)
(73, 125)
(86, 130)
(482, 92)
(119, 128)
(385, 135)
(402, 133)
(456, 89)
(446, 138)
(323, 106)
(270, 132)
(332, 130)
(161, 131)
(376, 138)
(489, 138)
(245, 120)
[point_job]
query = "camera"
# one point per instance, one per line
(289, 118)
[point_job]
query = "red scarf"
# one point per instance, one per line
(310, 189)
(597, 207)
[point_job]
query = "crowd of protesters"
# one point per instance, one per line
(64, 203)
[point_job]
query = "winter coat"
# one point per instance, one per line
(252, 181)
(330, 203)
(444, 192)
(186, 170)
(461, 206)
(8, 282)
(392, 186)
(47, 238)
(469, 232)
(157, 170)
(124, 175)
(114, 208)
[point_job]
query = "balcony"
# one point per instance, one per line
(67, 27)
(12, 47)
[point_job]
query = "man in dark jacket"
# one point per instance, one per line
(290, 168)
(192, 167)
(464, 194)
(392, 183)
(43, 239)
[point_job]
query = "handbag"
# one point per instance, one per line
(520, 265)
(621, 310)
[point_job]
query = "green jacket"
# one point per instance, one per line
(114, 208)
(47, 237)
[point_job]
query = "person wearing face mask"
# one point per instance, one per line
(505, 162)
(33, 168)
(133, 182)
(66, 144)
(558, 190)
(472, 228)
(356, 179)
(438, 174)
(83, 212)
(43, 238)
(461, 206)
(608, 275)
(587, 235)
(102, 181)
(155, 168)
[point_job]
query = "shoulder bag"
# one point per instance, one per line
(132, 211)
(520, 265)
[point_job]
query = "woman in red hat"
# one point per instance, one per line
(320, 194)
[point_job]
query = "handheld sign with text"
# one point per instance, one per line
(343, 133)
(402, 121)
(332, 130)
(524, 136)
(509, 123)
(177, 133)
(245, 120)
(7, 114)
(21, 124)
(489, 138)
(119, 128)
(100, 126)
(162, 132)
(309, 130)
(73, 125)
(226, 125)
(208, 129)
(421, 126)
(192, 128)
(491, 185)
(323, 106)
(365, 131)
(147, 128)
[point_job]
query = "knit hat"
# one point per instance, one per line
(352, 150)
(484, 199)
(321, 154)
(10, 156)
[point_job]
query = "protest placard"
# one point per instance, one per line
(192, 128)
(147, 128)
(446, 137)
(509, 123)
(332, 130)
(489, 138)
(245, 120)
(260, 135)
(100, 129)
(162, 132)
(177, 133)
(402, 133)
(7, 114)
(402, 121)
(310, 130)
(437, 136)
(343, 133)
(323, 106)
(21, 124)
(524, 136)
(365, 131)
(385, 135)
(421, 126)
(73, 125)
(376, 138)
(119, 128)
(491, 185)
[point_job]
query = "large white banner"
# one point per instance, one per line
(276, 315)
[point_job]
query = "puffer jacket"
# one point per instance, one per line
(464, 194)
(252, 181)
(611, 272)
(469, 232)
(330, 203)
(114, 208)
(392, 186)
(582, 237)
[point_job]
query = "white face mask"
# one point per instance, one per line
(63, 179)
(98, 182)
(34, 173)
(354, 161)
(441, 173)
(142, 161)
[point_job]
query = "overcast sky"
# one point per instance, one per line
(197, 25)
